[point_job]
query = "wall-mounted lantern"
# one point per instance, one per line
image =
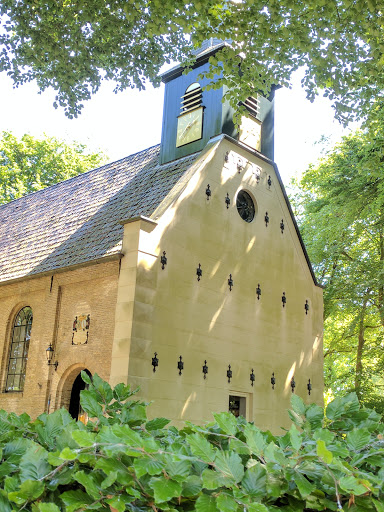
(227, 200)
(229, 373)
(180, 365)
(266, 219)
(199, 272)
(208, 192)
(309, 386)
(284, 299)
(155, 362)
(49, 353)
(163, 260)
(282, 225)
(240, 165)
(226, 157)
(293, 384)
(273, 380)
(230, 282)
(258, 292)
(269, 181)
(252, 377)
(205, 369)
(306, 307)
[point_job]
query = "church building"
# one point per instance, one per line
(179, 269)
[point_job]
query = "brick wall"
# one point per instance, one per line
(55, 302)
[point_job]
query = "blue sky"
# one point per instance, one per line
(123, 123)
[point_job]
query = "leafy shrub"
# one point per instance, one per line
(120, 461)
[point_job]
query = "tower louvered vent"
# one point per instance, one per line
(252, 105)
(192, 98)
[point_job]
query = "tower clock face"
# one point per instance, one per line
(250, 132)
(189, 127)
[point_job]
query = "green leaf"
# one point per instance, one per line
(178, 469)
(84, 438)
(29, 490)
(230, 466)
(227, 422)
(201, 448)
(295, 438)
(156, 424)
(165, 489)
(379, 505)
(33, 464)
(342, 406)
(273, 453)
(90, 404)
(145, 465)
(121, 392)
(5, 505)
(48, 507)
(305, 487)
(88, 482)
(212, 479)
(75, 500)
(135, 415)
(357, 439)
(298, 405)
(257, 507)
(239, 446)
(191, 486)
(102, 388)
(255, 439)
(205, 503)
(118, 503)
(323, 452)
(110, 480)
(86, 378)
(315, 416)
(254, 482)
(354, 485)
(5, 469)
(226, 503)
(113, 465)
(68, 454)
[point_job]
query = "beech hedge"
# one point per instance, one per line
(121, 461)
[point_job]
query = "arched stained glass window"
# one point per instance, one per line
(18, 355)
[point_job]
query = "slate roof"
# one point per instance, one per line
(77, 221)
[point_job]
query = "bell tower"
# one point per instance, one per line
(192, 116)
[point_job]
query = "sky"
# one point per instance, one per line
(127, 122)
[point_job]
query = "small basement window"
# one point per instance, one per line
(237, 405)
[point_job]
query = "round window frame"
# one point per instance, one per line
(250, 199)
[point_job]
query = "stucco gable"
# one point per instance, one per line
(249, 161)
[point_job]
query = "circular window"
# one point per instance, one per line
(245, 206)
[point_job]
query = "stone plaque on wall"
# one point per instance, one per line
(80, 329)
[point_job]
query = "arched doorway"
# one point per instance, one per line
(74, 408)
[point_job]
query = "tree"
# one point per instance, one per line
(119, 461)
(341, 212)
(73, 45)
(29, 164)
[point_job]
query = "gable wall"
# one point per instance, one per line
(174, 314)
(92, 290)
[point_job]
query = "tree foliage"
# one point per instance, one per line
(29, 164)
(73, 45)
(341, 211)
(120, 461)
